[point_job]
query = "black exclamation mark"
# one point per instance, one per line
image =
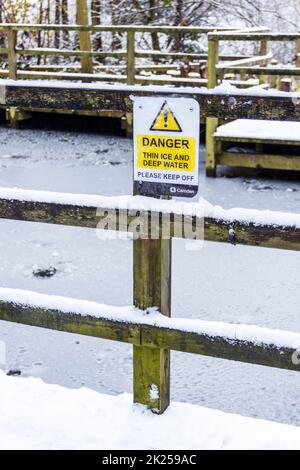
(166, 112)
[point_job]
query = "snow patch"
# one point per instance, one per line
(153, 392)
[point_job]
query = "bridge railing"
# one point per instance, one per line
(90, 71)
(257, 65)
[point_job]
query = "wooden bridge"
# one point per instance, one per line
(153, 335)
(134, 65)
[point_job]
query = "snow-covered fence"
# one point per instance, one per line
(252, 227)
(256, 65)
(152, 334)
(89, 57)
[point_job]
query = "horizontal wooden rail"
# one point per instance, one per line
(121, 54)
(111, 28)
(220, 103)
(240, 36)
(290, 71)
(169, 55)
(250, 229)
(95, 77)
(196, 337)
(40, 51)
(104, 77)
(157, 80)
(70, 53)
(259, 160)
(249, 61)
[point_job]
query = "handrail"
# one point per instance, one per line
(207, 338)
(113, 28)
(281, 231)
(240, 36)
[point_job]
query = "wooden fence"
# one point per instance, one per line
(153, 340)
(89, 71)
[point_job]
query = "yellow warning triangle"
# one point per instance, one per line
(165, 120)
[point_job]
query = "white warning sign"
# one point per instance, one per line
(166, 146)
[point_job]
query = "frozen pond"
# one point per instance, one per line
(220, 282)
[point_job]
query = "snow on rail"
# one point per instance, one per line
(129, 314)
(202, 208)
(225, 88)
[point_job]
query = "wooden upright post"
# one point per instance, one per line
(82, 18)
(297, 61)
(12, 56)
(211, 123)
(130, 57)
(130, 74)
(152, 288)
(12, 111)
(263, 50)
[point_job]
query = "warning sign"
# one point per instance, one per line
(166, 146)
(165, 120)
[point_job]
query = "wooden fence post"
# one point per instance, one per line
(263, 50)
(12, 111)
(130, 40)
(130, 57)
(152, 261)
(297, 61)
(82, 18)
(12, 56)
(211, 123)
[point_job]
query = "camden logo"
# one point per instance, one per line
(296, 358)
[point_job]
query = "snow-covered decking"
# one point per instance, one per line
(260, 130)
(35, 415)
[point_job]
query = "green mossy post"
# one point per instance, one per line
(152, 261)
(152, 288)
(211, 123)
